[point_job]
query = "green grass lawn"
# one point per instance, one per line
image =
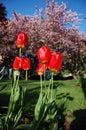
(71, 98)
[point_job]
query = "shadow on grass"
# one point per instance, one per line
(84, 91)
(80, 120)
(4, 101)
(83, 83)
(66, 96)
(58, 84)
(30, 99)
(63, 99)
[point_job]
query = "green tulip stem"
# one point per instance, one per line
(20, 51)
(26, 74)
(12, 103)
(44, 76)
(41, 82)
(51, 85)
(52, 79)
(17, 81)
(16, 78)
(48, 95)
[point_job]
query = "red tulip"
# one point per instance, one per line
(44, 54)
(25, 63)
(41, 69)
(55, 62)
(17, 64)
(22, 40)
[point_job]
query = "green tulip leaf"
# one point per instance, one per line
(3, 87)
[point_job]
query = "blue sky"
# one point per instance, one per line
(27, 7)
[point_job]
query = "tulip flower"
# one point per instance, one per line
(44, 54)
(41, 69)
(26, 63)
(17, 64)
(26, 66)
(55, 62)
(22, 40)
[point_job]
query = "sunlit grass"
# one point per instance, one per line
(73, 96)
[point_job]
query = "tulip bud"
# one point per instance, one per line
(44, 54)
(55, 62)
(22, 40)
(17, 64)
(41, 69)
(26, 63)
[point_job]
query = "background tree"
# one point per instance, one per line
(56, 27)
(3, 12)
(3, 23)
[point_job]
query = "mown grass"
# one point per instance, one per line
(71, 98)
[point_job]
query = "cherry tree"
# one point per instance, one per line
(55, 27)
